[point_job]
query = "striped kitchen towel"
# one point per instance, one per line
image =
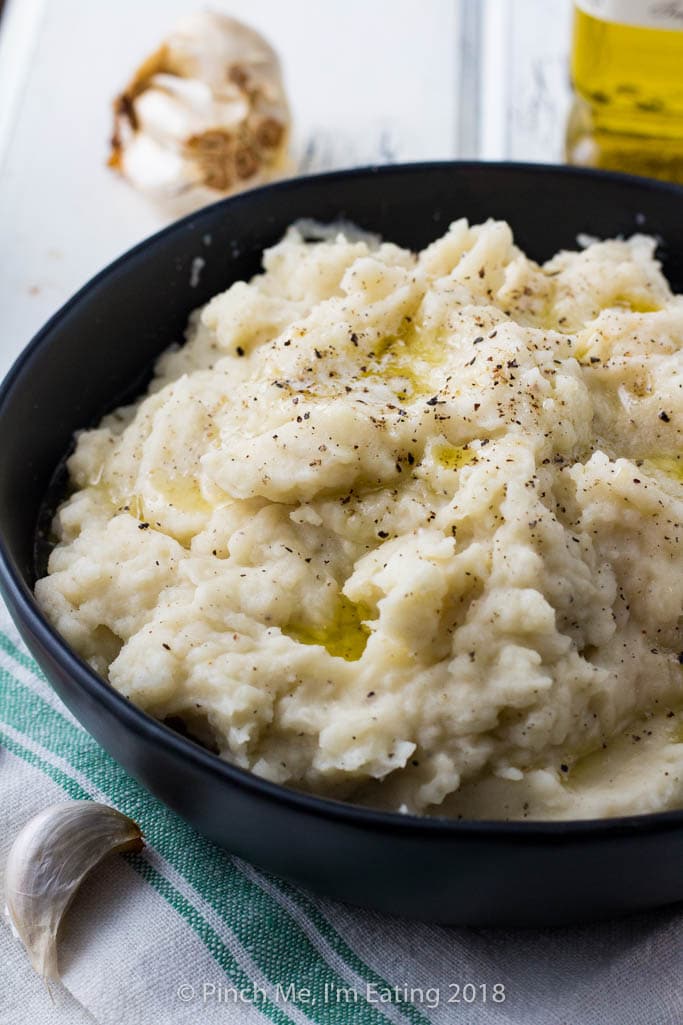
(184, 933)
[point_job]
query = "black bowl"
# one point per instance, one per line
(97, 351)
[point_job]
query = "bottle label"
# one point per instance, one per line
(665, 14)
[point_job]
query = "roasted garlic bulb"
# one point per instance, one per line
(203, 116)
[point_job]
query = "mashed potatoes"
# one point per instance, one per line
(403, 529)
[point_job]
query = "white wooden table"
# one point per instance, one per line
(369, 81)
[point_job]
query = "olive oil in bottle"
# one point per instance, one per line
(627, 73)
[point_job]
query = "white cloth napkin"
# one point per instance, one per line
(184, 933)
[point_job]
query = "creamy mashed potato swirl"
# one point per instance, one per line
(403, 529)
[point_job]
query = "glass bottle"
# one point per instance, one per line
(627, 73)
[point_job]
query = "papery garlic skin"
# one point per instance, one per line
(47, 863)
(203, 116)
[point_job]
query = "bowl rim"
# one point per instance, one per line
(23, 605)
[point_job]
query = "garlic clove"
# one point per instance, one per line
(154, 166)
(204, 115)
(169, 111)
(47, 863)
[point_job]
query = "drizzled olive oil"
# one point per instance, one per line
(452, 457)
(345, 636)
(627, 73)
(670, 465)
